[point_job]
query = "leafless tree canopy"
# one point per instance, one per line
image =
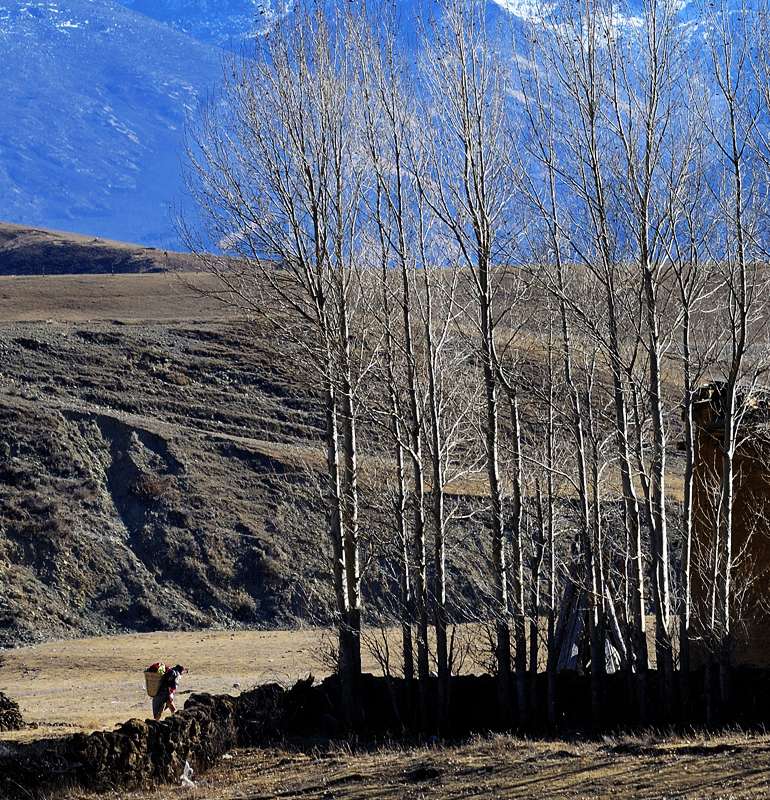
(513, 258)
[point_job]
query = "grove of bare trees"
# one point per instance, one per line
(512, 254)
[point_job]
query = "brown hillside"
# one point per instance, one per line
(37, 251)
(157, 463)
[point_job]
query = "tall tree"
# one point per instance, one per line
(731, 121)
(573, 60)
(468, 188)
(275, 169)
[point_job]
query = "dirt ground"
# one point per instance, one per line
(86, 684)
(91, 684)
(498, 767)
(96, 683)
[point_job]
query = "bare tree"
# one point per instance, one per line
(275, 168)
(646, 94)
(570, 88)
(468, 188)
(731, 122)
(542, 146)
(694, 282)
(389, 126)
(430, 235)
(544, 469)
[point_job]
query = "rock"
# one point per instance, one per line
(134, 728)
(10, 715)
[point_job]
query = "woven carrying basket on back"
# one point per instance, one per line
(152, 682)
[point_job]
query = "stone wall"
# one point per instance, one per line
(10, 716)
(141, 753)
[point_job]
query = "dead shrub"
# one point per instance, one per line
(243, 605)
(151, 487)
(174, 378)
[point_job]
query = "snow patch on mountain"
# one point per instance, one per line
(523, 9)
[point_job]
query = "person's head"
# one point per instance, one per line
(179, 668)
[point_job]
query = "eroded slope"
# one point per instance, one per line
(152, 476)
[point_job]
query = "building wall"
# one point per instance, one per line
(751, 535)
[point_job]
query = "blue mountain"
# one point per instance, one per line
(94, 99)
(224, 23)
(95, 94)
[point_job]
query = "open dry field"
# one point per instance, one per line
(81, 685)
(96, 683)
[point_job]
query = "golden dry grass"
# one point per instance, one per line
(128, 298)
(90, 684)
(496, 767)
(96, 683)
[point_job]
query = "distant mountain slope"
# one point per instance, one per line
(94, 103)
(95, 95)
(35, 251)
(225, 23)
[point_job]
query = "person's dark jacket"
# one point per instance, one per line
(169, 682)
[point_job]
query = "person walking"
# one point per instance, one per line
(164, 699)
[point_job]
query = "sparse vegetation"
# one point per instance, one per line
(423, 224)
(458, 322)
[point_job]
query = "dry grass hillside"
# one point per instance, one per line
(117, 299)
(38, 251)
(159, 457)
(146, 468)
(157, 463)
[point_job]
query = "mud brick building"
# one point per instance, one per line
(751, 526)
